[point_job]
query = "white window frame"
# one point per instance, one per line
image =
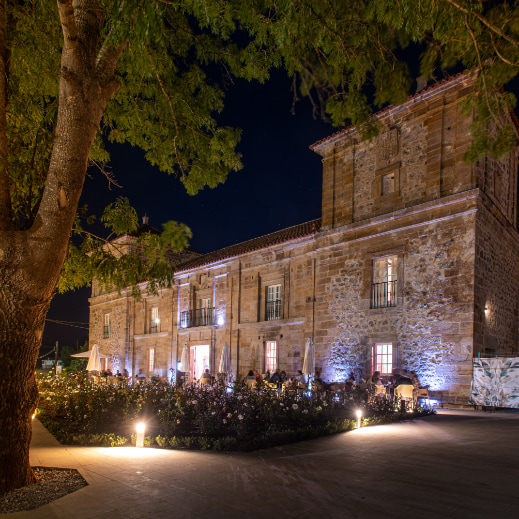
(271, 356)
(383, 357)
(273, 297)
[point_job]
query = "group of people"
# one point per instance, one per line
(108, 373)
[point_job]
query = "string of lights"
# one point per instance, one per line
(74, 324)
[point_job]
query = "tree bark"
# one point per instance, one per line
(31, 261)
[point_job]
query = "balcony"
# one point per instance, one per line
(383, 295)
(273, 310)
(199, 317)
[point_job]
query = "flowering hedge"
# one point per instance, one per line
(77, 411)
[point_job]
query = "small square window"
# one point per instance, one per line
(388, 183)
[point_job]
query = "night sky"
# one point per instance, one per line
(279, 186)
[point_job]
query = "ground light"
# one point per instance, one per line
(359, 416)
(140, 435)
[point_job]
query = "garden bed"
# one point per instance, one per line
(76, 411)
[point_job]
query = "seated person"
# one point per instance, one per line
(140, 376)
(118, 374)
(276, 377)
(318, 379)
(250, 376)
(206, 377)
(283, 376)
(404, 380)
(301, 379)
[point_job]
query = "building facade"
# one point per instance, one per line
(413, 265)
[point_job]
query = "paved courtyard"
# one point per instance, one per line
(461, 464)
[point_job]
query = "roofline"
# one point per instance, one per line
(423, 95)
(314, 230)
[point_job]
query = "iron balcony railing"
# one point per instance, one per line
(199, 317)
(106, 331)
(383, 295)
(273, 311)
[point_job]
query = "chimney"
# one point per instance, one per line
(145, 220)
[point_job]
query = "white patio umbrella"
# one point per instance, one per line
(88, 353)
(94, 361)
(309, 362)
(184, 359)
(225, 361)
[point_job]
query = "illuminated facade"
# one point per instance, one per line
(413, 265)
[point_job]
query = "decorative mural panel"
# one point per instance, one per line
(495, 382)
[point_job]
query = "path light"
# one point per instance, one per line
(140, 435)
(359, 416)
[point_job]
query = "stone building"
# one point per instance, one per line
(414, 265)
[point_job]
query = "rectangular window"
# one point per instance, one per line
(206, 313)
(154, 320)
(271, 356)
(106, 327)
(273, 310)
(383, 358)
(150, 360)
(388, 183)
(383, 287)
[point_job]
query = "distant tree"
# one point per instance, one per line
(78, 72)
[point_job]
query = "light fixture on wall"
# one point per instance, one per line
(220, 321)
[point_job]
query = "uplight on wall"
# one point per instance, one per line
(220, 321)
(140, 435)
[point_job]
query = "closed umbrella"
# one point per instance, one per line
(94, 361)
(225, 361)
(309, 362)
(184, 360)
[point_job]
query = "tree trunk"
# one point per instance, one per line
(21, 327)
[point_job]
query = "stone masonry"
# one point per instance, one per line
(450, 229)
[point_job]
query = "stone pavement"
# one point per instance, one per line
(459, 464)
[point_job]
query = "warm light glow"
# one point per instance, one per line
(33, 416)
(157, 321)
(140, 428)
(220, 321)
(359, 416)
(140, 435)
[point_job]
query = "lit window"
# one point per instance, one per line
(150, 360)
(271, 356)
(383, 288)
(273, 310)
(106, 327)
(383, 358)
(154, 320)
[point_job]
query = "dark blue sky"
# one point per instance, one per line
(279, 186)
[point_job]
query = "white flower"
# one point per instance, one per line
(178, 421)
(213, 413)
(281, 404)
(305, 411)
(224, 420)
(193, 402)
(325, 404)
(239, 397)
(240, 417)
(229, 415)
(295, 406)
(319, 408)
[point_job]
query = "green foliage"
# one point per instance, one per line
(195, 417)
(347, 57)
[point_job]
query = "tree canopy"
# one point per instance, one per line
(152, 73)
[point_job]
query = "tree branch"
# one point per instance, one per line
(68, 23)
(484, 21)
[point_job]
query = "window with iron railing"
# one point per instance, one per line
(273, 306)
(198, 317)
(384, 286)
